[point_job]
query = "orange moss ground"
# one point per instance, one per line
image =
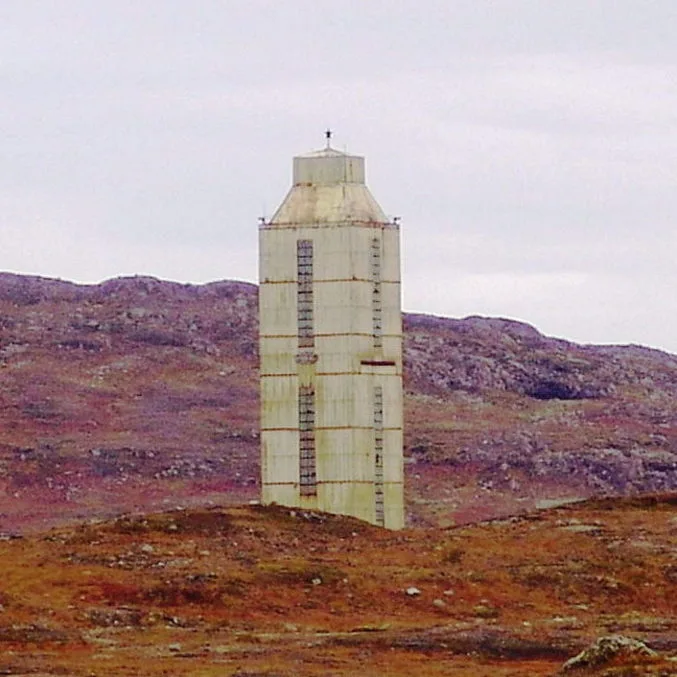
(273, 591)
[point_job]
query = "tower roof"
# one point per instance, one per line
(328, 151)
(328, 187)
(328, 166)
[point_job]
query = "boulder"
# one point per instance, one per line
(606, 650)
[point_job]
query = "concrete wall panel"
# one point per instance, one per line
(391, 254)
(277, 256)
(345, 455)
(277, 309)
(344, 401)
(343, 307)
(279, 403)
(282, 463)
(393, 502)
(393, 465)
(357, 500)
(282, 495)
(278, 355)
(392, 314)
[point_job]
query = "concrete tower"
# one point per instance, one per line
(331, 346)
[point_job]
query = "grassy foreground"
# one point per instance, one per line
(276, 592)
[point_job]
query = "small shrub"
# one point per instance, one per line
(452, 556)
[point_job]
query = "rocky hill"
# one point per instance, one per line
(140, 394)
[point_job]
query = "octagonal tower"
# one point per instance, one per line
(331, 346)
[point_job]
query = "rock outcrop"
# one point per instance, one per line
(606, 651)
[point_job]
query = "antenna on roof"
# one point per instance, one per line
(327, 135)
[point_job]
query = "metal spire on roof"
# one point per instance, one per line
(328, 134)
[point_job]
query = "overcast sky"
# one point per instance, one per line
(529, 146)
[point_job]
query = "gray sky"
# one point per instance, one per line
(530, 146)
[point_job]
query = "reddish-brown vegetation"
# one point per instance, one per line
(281, 592)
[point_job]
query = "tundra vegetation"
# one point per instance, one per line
(128, 445)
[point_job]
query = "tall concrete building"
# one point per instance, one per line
(331, 346)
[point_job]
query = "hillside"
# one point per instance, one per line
(273, 592)
(142, 394)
